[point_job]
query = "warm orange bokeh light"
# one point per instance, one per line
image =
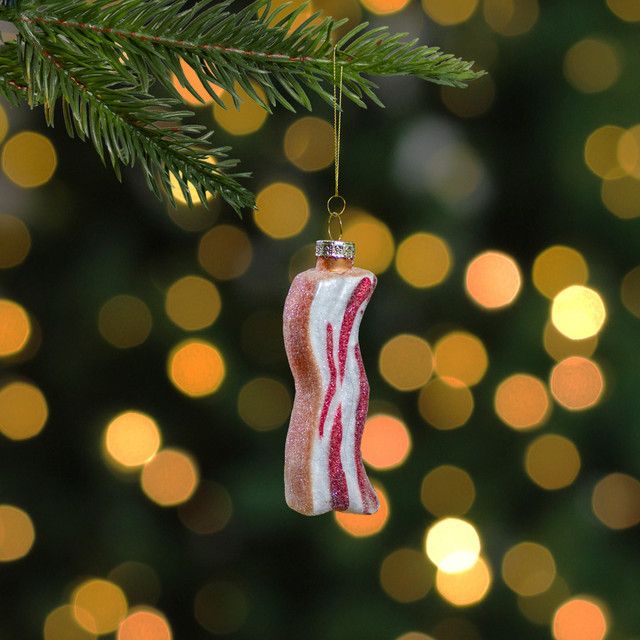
(552, 461)
(493, 280)
(577, 383)
(17, 533)
(462, 356)
(361, 526)
(132, 438)
(170, 478)
(522, 402)
(383, 7)
(196, 368)
(467, 588)
(386, 442)
(579, 619)
(197, 86)
(145, 624)
(15, 328)
(23, 410)
(99, 606)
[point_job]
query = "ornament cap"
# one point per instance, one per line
(335, 249)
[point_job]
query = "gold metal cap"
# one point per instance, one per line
(335, 249)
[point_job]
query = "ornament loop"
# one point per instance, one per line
(336, 205)
(332, 217)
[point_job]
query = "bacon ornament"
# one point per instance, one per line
(322, 314)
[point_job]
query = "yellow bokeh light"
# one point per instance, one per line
(17, 533)
(462, 356)
(493, 280)
(4, 124)
(308, 144)
(406, 362)
(132, 438)
(577, 383)
(245, 119)
(144, 624)
(282, 210)
(362, 526)
(601, 152)
(592, 65)
(579, 619)
(540, 608)
(616, 501)
(29, 159)
(15, 241)
(557, 268)
(622, 197)
(578, 312)
(384, 7)
(406, 576)
(522, 402)
(225, 252)
(386, 442)
(209, 509)
(467, 588)
(474, 101)
(23, 411)
(125, 321)
(170, 477)
(264, 404)
(627, 10)
(511, 17)
(629, 151)
(99, 606)
(423, 260)
(61, 624)
(453, 545)
(552, 462)
(193, 303)
(449, 12)
(414, 635)
(559, 347)
(196, 368)
(446, 403)
(199, 89)
(221, 608)
(373, 239)
(447, 491)
(15, 328)
(528, 569)
(630, 291)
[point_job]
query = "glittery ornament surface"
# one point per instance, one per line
(323, 464)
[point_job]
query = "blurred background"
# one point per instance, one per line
(145, 393)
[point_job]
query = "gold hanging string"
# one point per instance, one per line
(336, 204)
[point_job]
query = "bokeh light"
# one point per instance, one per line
(462, 356)
(23, 410)
(447, 491)
(17, 533)
(552, 461)
(209, 509)
(578, 312)
(61, 624)
(264, 404)
(616, 501)
(528, 569)
(540, 608)
(225, 252)
(196, 87)
(125, 321)
(170, 477)
(308, 144)
(627, 10)
(29, 159)
(453, 545)
(414, 635)
(196, 368)
(621, 197)
(144, 624)
(579, 619)
(363, 526)
(592, 65)
(245, 119)
(577, 383)
(132, 438)
(190, 195)
(446, 403)
(601, 152)
(193, 303)
(386, 442)
(373, 239)
(423, 260)
(629, 151)
(559, 347)
(406, 362)
(630, 291)
(282, 210)
(522, 402)
(557, 268)
(384, 7)
(15, 241)
(450, 12)
(15, 328)
(511, 17)
(99, 606)
(221, 608)
(493, 280)
(467, 588)
(406, 576)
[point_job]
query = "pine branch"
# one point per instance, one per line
(13, 84)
